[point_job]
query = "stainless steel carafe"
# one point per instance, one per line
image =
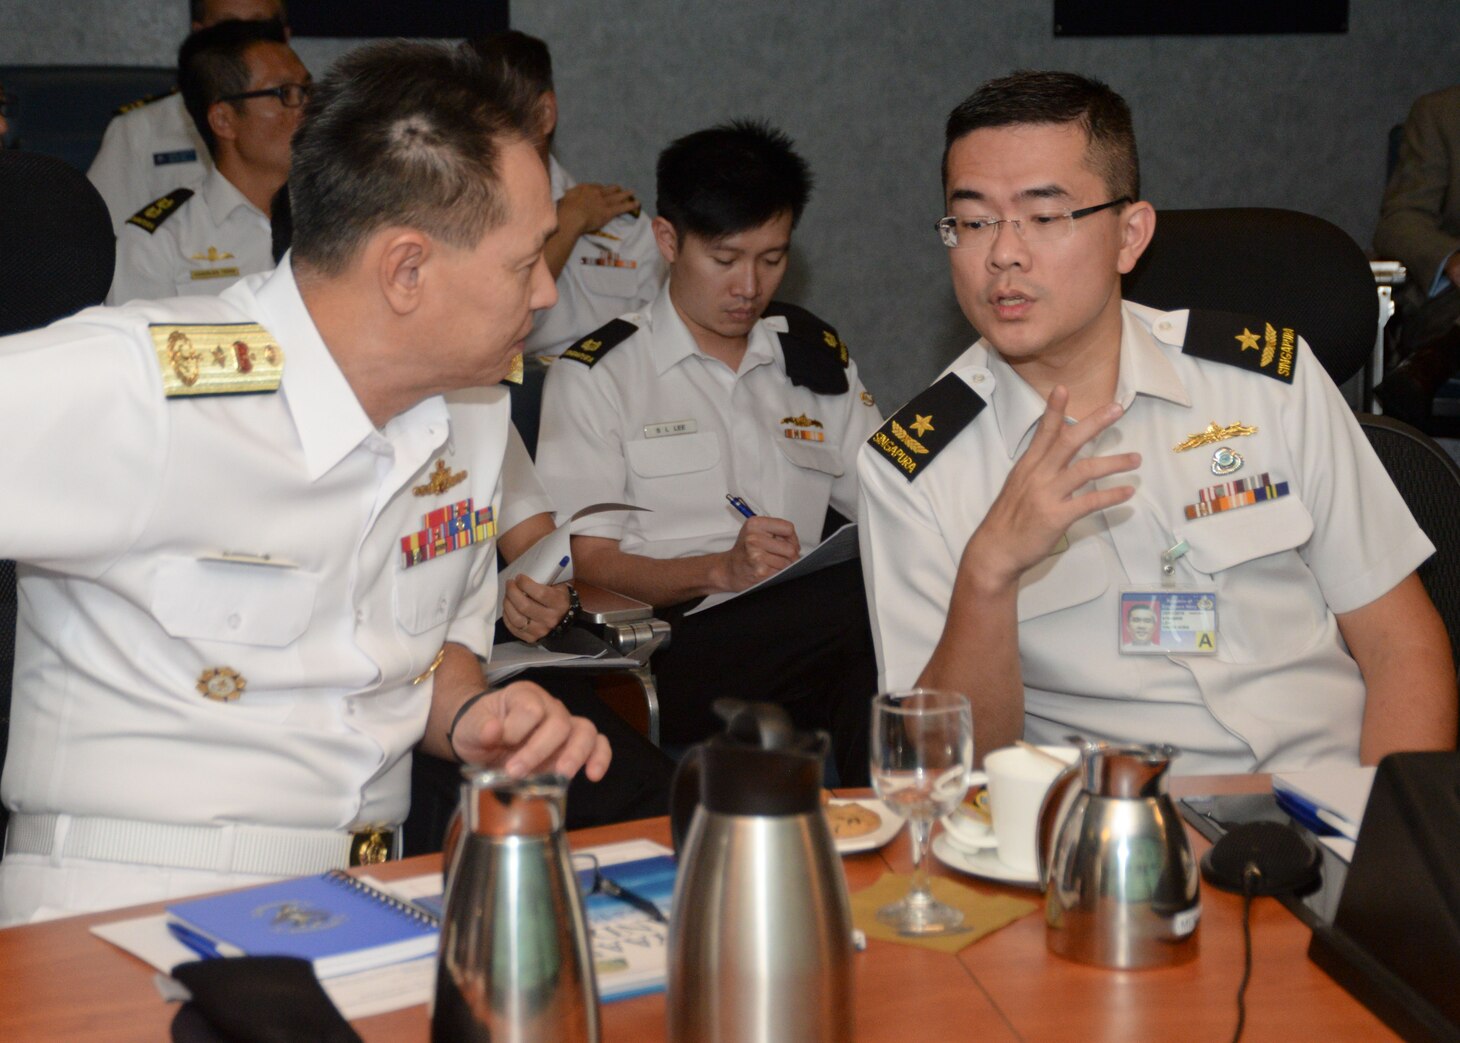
(760, 937)
(1122, 885)
(514, 965)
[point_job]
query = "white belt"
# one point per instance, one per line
(223, 849)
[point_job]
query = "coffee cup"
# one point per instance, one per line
(1018, 778)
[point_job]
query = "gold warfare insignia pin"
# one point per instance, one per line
(1213, 433)
(439, 481)
(801, 427)
(801, 421)
(240, 358)
(212, 256)
(221, 684)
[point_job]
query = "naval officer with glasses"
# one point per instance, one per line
(1088, 454)
(245, 90)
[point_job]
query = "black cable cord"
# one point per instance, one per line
(1250, 876)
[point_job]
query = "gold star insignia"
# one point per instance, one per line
(1249, 339)
(591, 345)
(923, 424)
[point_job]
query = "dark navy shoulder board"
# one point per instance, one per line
(151, 216)
(601, 341)
(914, 436)
(816, 356)
(1242, 341)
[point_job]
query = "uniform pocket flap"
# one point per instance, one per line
(1231, 537)
(224, 601)
(673, 454)
(609, 281)
(814, 456)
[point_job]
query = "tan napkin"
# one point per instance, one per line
(982, 914)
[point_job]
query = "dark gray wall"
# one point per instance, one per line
(1294, 121)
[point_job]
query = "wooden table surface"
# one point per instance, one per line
(60, 983)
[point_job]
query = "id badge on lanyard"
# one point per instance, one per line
(1173, 619)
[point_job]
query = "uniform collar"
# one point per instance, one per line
(1145, 369)
(327, 415)
(672, 342)
(223, 197)
(559, 180)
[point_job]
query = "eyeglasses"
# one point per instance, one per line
(290, 95)
(959, 234)
(585, 864)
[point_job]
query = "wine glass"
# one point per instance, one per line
(921, 754)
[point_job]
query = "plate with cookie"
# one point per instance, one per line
(864, 824)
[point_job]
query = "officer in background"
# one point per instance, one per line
(152, 146)
(245, 89)
(1089, 453)
(270, 569)
(715, 391)
(603, 254)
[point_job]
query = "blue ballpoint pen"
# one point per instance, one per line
(740, 505)
(201, 944)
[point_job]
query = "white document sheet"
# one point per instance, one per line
(550, 559)
(840, 546)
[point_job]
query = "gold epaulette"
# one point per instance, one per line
(236, 358)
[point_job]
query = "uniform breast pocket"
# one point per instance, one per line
(811, 455)
(426, 595)
(1220, 541)
(679, 479)
(606, 281)
(233, 603)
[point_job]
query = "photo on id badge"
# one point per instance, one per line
(1167, 622)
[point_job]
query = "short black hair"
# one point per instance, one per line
(400, 133)
(212, 63)
(511, 54)
(730, 178)
(1030, 97)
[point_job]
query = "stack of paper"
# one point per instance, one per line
(1330, 802)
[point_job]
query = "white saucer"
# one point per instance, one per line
(879, 836)
(983, 864)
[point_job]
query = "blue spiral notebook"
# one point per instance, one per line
(340, 924)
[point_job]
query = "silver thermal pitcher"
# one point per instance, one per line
(514, 964)
(760, 942)
(1122, 885)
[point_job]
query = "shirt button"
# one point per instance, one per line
(1164, 324)
(235, 621)
(359, 615)
(978, 378)
(441, 605)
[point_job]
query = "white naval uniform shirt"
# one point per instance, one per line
(146, 153)
(122, 505)
(1282, 692)
(590, 291)
(659, 424)
(203, 247)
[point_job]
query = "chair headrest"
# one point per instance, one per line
(58, 246)
(1289, 267)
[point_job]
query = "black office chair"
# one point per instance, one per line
(56, 257)
(1429, 481)
(1290, 268)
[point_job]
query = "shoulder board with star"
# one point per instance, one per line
(132, 106)
(913, 437)
(601, 341)
(151, 216)
(232, 358)
(816, 355)
(1243, 341)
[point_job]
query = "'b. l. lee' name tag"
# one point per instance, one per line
(671, 427)
(1180, 621)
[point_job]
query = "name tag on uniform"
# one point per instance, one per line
(214, 273)
(184, 155)
(671, 427)
(1167, 622)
